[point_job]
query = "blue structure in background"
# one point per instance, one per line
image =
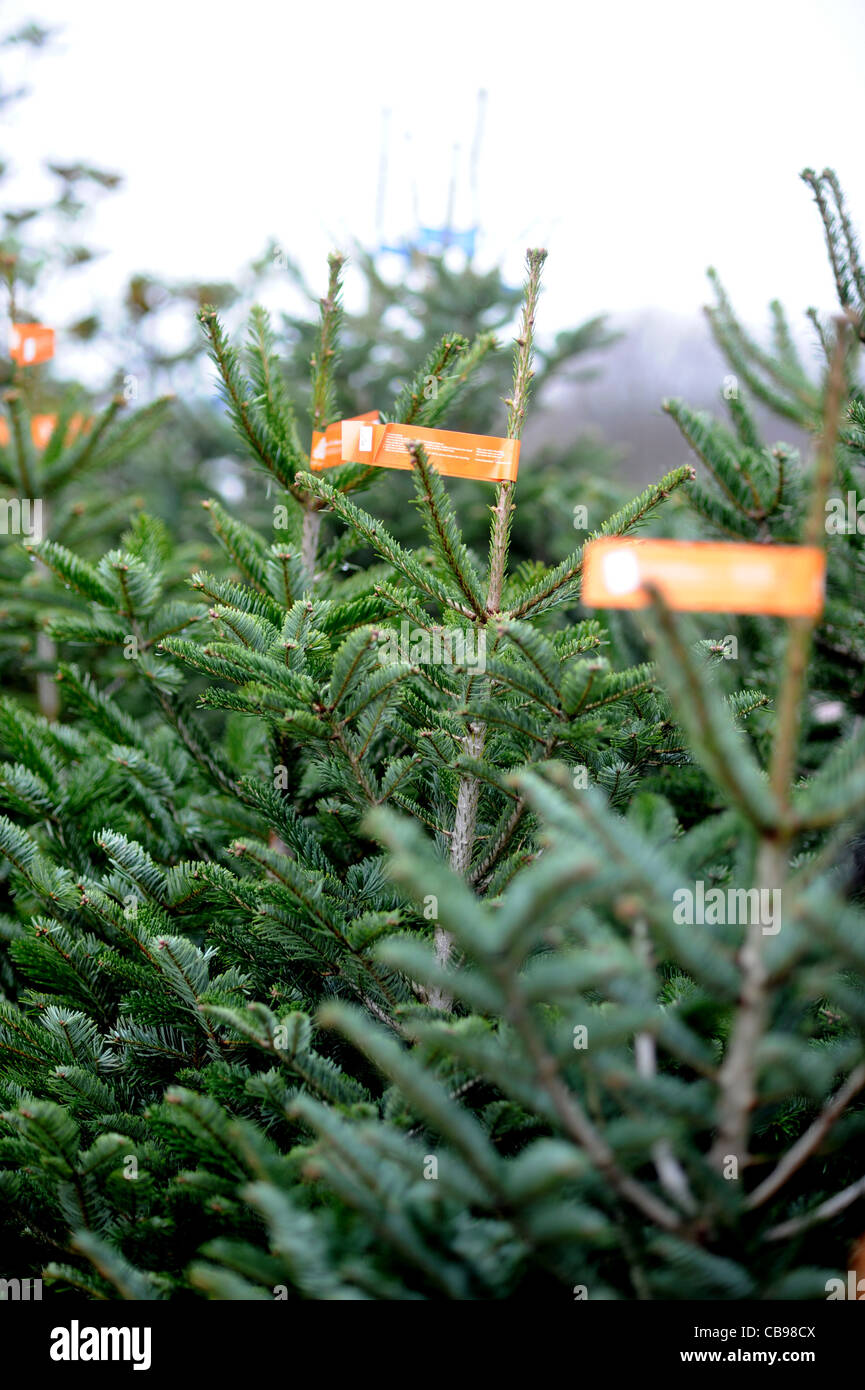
(434, 240)
(430, 241)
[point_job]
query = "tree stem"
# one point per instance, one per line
(323, 401)
(468, 794)
(737, 1075)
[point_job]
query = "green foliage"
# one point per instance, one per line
(265, 1032)
(751, 490)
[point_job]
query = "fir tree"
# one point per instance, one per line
(57, 440)
(752, 490)
(382, 978)
(399, 324)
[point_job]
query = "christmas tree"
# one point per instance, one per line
(57, 439)
(373, 929)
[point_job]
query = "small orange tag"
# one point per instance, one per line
(326, 449)
(456, 455)
(705, 576)
(41, 429)
(30, 343)
(43, 426)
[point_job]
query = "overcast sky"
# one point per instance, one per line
(639, 142)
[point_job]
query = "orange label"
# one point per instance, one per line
(326, 449)
(30, 343)
(456, 455)
(705, 576)
(43, 426)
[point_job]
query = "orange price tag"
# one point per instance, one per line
(41, 429)
(30, 343)
(326, 449)
(705, 576)
(43, 426)
(456, 455)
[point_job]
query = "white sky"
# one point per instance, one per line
(639, 141)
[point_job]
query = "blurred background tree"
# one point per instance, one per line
(149, 345)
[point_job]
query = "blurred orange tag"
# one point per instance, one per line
(327, 444)
(41, 429)
(43, 426)
(30, 343)
(705, 576)
(454, 454)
